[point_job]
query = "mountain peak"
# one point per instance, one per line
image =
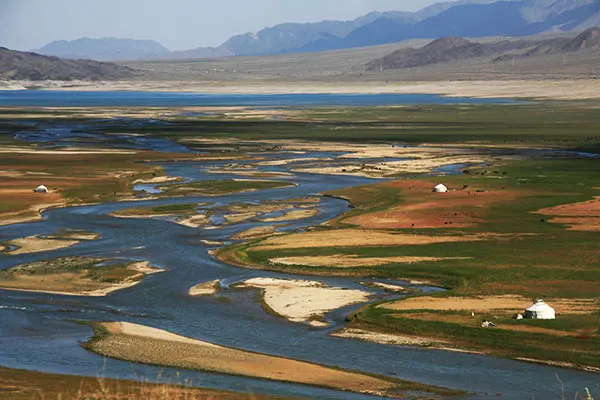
(449, 42)
(586, 39)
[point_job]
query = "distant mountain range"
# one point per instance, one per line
(454, 48)
(105, 49)
(467, 18)
(17, 65)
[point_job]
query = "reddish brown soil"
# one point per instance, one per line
(584, 216)
(424, 209)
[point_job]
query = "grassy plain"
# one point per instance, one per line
(487, 237)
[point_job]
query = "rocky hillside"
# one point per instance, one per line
(501, 18)
(453, 48)
(16, 65)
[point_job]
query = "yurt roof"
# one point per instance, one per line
(539, 305)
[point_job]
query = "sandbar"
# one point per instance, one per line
(148, 345)
(303, 301)
(74, 276)
(353, 260)
(204, 288)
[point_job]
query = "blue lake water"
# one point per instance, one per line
(49, 98)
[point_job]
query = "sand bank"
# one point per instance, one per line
(557, 89)
(158, 179)
(388, 287)
(387, 338)
(351, 261)
(74, 276)
(70, 151)
(205, 288)
(33, 213)
(303, 301)
(195, 221)
(36, 244)
(153, 346)
(293, 215)
(255, 233)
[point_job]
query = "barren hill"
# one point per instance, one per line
(453, 48)
(17, 65)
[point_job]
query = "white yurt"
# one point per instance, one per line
(440, 188)
(41, 189)
(540, 310)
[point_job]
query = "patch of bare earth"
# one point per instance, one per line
(293, 215)
(204, 288)
(386, 338)
(194, 221)
(350, 261)
(76, 283)
(255, 233)
(460, 207)
(509, 303)
(36, 244)
(302, 301)
(356, 238)
(583, 216)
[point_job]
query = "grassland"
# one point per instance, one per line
(166, 210)
(486, 238)
(551, 124)
(517, 252)
(72, 179)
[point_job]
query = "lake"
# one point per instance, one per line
(60, 98)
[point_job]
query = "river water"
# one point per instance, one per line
(37, 332)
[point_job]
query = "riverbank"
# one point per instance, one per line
(554, 90)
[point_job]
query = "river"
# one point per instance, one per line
(37, 330)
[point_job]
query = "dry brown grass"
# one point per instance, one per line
(354, 237)
(31, 385)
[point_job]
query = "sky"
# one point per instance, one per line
(176, 24)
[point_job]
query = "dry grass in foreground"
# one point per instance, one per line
(31, 385)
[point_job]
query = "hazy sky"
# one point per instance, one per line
(176, 24)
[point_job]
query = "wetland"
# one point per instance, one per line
(311, 241)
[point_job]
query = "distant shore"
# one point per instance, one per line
(580, 89)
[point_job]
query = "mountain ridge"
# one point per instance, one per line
(104, 49)
(454, 48)
(463, 18)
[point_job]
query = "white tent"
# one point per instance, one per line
(440, 188)
(540, 310)
(41, 189)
